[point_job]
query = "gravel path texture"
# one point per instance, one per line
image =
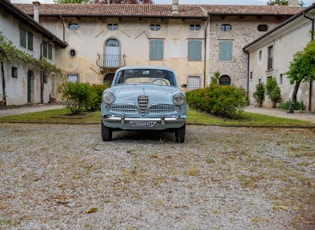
(66, 177)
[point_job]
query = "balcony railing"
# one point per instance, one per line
(110, 61)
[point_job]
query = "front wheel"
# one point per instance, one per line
(107, 133)
(180, 134)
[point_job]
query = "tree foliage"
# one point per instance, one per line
(277, 2)
(259, 95)
(215, 78)
(273, 91)
(282, 2)
(10, 53)
(301, 69)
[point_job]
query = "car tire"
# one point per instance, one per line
(180, 134)
(107, 133)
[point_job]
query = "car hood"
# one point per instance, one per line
(156, 93)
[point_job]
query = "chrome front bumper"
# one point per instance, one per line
(162, 120)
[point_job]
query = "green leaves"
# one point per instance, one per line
(302, 67)
(222, 100)
(10, 53)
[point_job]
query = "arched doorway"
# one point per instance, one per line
(112, 53)
(225, 80)
(108, 78)
(30, 86)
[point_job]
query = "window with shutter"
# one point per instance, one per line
(226, 50)
(156, 49)
(23, 37)
(29, 41)
(194, 50)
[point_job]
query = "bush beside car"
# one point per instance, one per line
(79, 97)
(220, 100)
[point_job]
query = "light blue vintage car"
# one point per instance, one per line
(144, 98)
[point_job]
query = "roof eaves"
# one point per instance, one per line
(33, 24)
(280, 26)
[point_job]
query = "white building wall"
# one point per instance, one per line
(286, 42)
(16, 90)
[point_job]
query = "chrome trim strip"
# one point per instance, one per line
(162, 120)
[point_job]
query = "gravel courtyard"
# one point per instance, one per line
(66, 177)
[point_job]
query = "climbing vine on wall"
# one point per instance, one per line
(10, 53)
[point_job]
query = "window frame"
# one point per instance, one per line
(155, 27)
(262, 28)
(26, 39)
(47, 51)
(226, 27)
(14, 72)
(70, 75)
(73, 26)
(270, 57)
(194, 27)
(112, 26)
(193, 82)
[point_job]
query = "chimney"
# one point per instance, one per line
(175, 6)
(36, 10)
(293, 3)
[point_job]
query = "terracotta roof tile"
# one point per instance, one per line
(155, 10)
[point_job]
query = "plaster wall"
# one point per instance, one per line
(134, 37)
(16, 90)
(285, 42)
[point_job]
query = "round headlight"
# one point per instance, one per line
(108, 97)
(179, 99)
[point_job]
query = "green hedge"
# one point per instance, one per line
(220, 100)
(80, 97)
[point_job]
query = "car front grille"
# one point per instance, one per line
(162, 109)
(127, 109)
(143, 102)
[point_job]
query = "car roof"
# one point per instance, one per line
(146, 67)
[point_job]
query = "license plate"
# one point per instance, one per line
(148, 124)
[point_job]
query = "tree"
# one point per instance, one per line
(273, 91)
(259, 95)
(282, 2)
(215, 78)
(277, 2)
(301, 69)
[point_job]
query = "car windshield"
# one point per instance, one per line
(147, 76)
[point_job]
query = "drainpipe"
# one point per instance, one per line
(311, 82)
(205, 53)
(63, 28)
(248, 73)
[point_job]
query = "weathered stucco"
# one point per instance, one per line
(286, 41)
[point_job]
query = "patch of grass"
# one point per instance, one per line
(246, 119)
(193, 117)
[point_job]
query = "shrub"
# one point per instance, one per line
(273, 91)
(95, 100)
(259, 95)
(298, 105)
(81, 97)
(223, 101)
